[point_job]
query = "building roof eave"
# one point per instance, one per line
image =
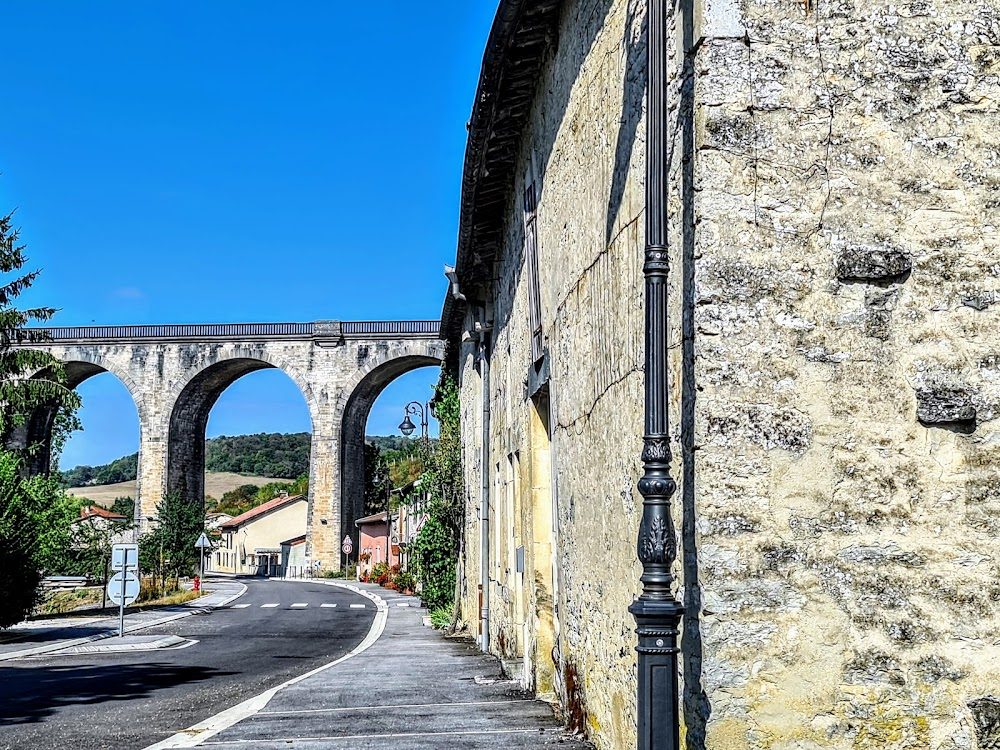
(523, 32)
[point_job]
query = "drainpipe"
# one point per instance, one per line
(657, 612)
(484, 503)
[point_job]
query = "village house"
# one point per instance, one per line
(377, 543)
(112, 528)
(293, 558)
(832, 225)
(251, 543)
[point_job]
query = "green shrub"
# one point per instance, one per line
(442, 616)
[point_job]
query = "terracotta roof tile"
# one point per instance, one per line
(261, 510)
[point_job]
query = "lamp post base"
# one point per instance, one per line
(657, 625)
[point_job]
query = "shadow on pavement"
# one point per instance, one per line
(28, 696)
(46, 635)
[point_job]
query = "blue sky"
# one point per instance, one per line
(236, 161)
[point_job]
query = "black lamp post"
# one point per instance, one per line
(407, 427)
(657, 613)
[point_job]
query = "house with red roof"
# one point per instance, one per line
(251, 543)
(113, 528)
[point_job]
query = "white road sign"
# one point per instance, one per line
(125, 557)
(123, 586)
(348, 546)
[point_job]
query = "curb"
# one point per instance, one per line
(61, 645)
(194, 736)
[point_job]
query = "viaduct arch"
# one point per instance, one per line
(176, 374)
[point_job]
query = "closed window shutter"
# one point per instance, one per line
(531, 260)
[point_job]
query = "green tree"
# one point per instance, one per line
(91, 541)
(169, 548)
(34, 537)
(33, 531)
(437, 546)
(124, 506)
(29, 378)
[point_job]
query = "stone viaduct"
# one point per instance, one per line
(176, 373)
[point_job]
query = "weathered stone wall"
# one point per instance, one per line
(834, 213)
(585, 141)
(846, 264)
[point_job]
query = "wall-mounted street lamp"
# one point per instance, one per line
(407, 427)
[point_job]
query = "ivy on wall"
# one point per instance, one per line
(437, 546)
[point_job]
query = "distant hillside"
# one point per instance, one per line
(216, 485)
(265, 455)
(274, 455)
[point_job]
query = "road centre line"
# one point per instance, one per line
(357, 606)
(240, 606)
(327, 604)
(300, 605)
(199, 733)
(389, 708)
(269, 606)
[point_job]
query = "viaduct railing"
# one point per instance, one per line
(241, 331)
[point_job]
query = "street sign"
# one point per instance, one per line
(125, 557)
(203, 542)
(348, 546)
(123, 588)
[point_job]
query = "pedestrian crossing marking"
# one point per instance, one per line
(240, 606)
(268, 606)
(327, 605)
(299, 605)
(357, 606)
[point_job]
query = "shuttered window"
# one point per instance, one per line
(531, 262)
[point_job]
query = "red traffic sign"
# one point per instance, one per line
(348, 546)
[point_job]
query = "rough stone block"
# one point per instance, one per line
(944, 405)
(872, 263)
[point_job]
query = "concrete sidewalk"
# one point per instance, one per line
(411, 688)
(37, 637)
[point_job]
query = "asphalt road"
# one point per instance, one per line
(132, 700)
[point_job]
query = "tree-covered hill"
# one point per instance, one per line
(282, 456)
(264, 455)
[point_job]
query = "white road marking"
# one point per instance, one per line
(240, 606)
(268, 606)
(402, 604)
(300, 605)
(196, 735)
(357, 606)
(326, 604)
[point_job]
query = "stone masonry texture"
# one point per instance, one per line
(835, 191)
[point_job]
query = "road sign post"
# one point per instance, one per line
(202, 544)
(347, 547)
(123, 588)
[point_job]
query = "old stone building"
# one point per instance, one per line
(834, 186)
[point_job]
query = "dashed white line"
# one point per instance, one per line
(240, 606)
(402, 604)
(326, 604)
(300, 605)
(357, 606)
(268, 606)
